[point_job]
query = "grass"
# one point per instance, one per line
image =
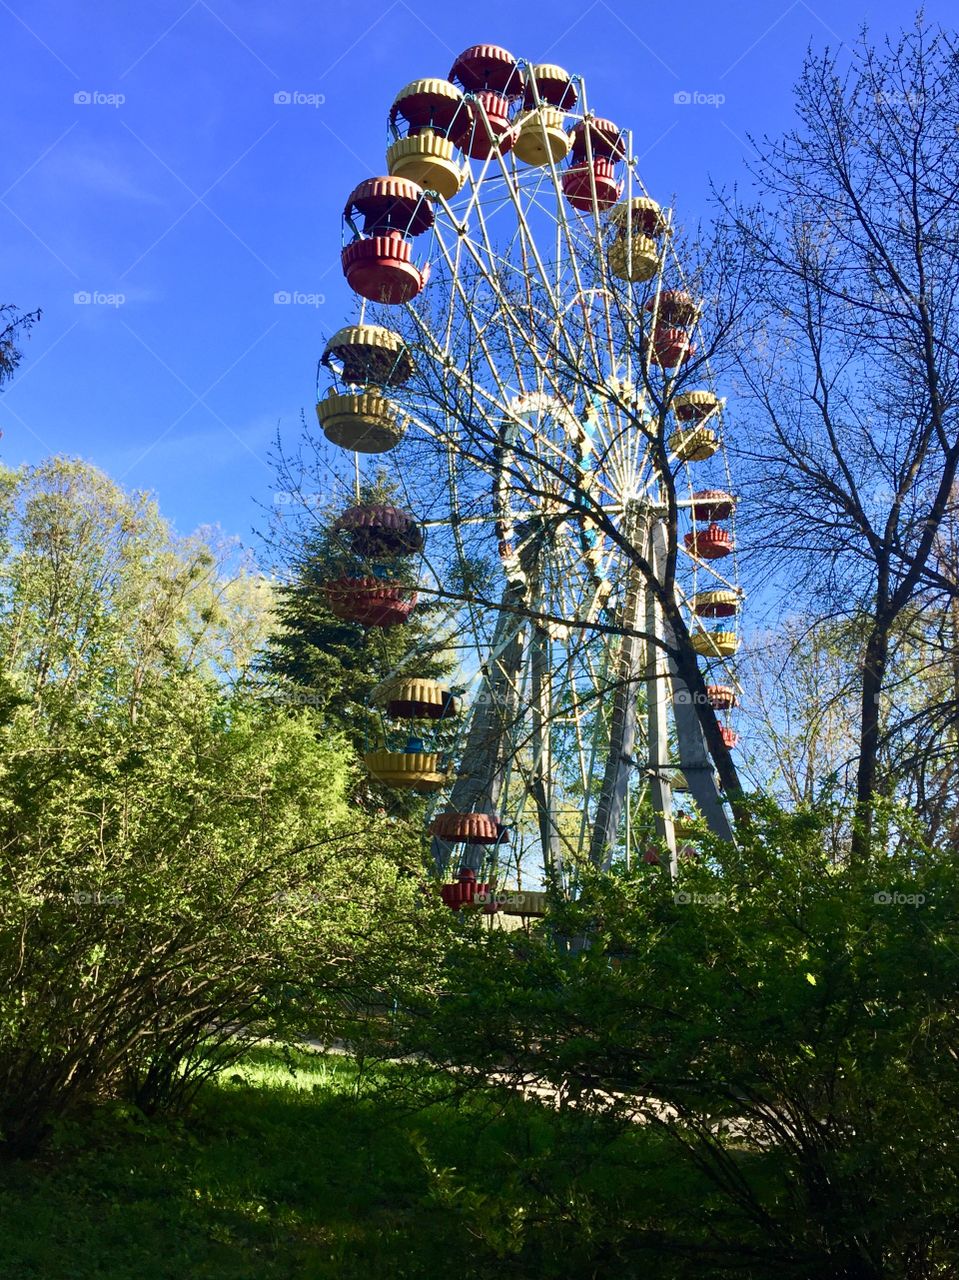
(308, 1169)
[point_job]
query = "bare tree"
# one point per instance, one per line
(921, 745)
(14, 326)
(852, 259)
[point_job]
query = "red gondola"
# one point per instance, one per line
(463, 890)
(712, 504)
(466, 828)
(378, 264)
(721, 697)
(369, 601)
(376, 529)
(711, 543)
(671, 347)
(675, 307)
(580, 181)
(605, 139)
(490, 74)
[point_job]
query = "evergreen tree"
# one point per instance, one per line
(334, 665)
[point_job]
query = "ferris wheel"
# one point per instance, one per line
(526, 352)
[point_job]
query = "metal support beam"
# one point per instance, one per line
(656, 674)
(694, 760)
(479, 781)
(541, 781)
(622, 735)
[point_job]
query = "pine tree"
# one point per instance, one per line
(334, 665)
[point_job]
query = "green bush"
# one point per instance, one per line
(180, 863)
(786, 1021)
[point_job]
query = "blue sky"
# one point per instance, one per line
(147, 165)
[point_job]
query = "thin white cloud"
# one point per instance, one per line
(97, 170)
(203, 451)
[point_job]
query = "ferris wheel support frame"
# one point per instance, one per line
(541, 783)
(694, 760)
(657, 695)
(479, 781)
(620, 760)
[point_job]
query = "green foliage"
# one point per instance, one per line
(317, 660)
(785, 1021)
(179, 857)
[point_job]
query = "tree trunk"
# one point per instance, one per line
(873, 677)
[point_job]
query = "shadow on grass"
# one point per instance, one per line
(294, 1170)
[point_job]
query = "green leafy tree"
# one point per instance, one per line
(799, 714)
(180, 869)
